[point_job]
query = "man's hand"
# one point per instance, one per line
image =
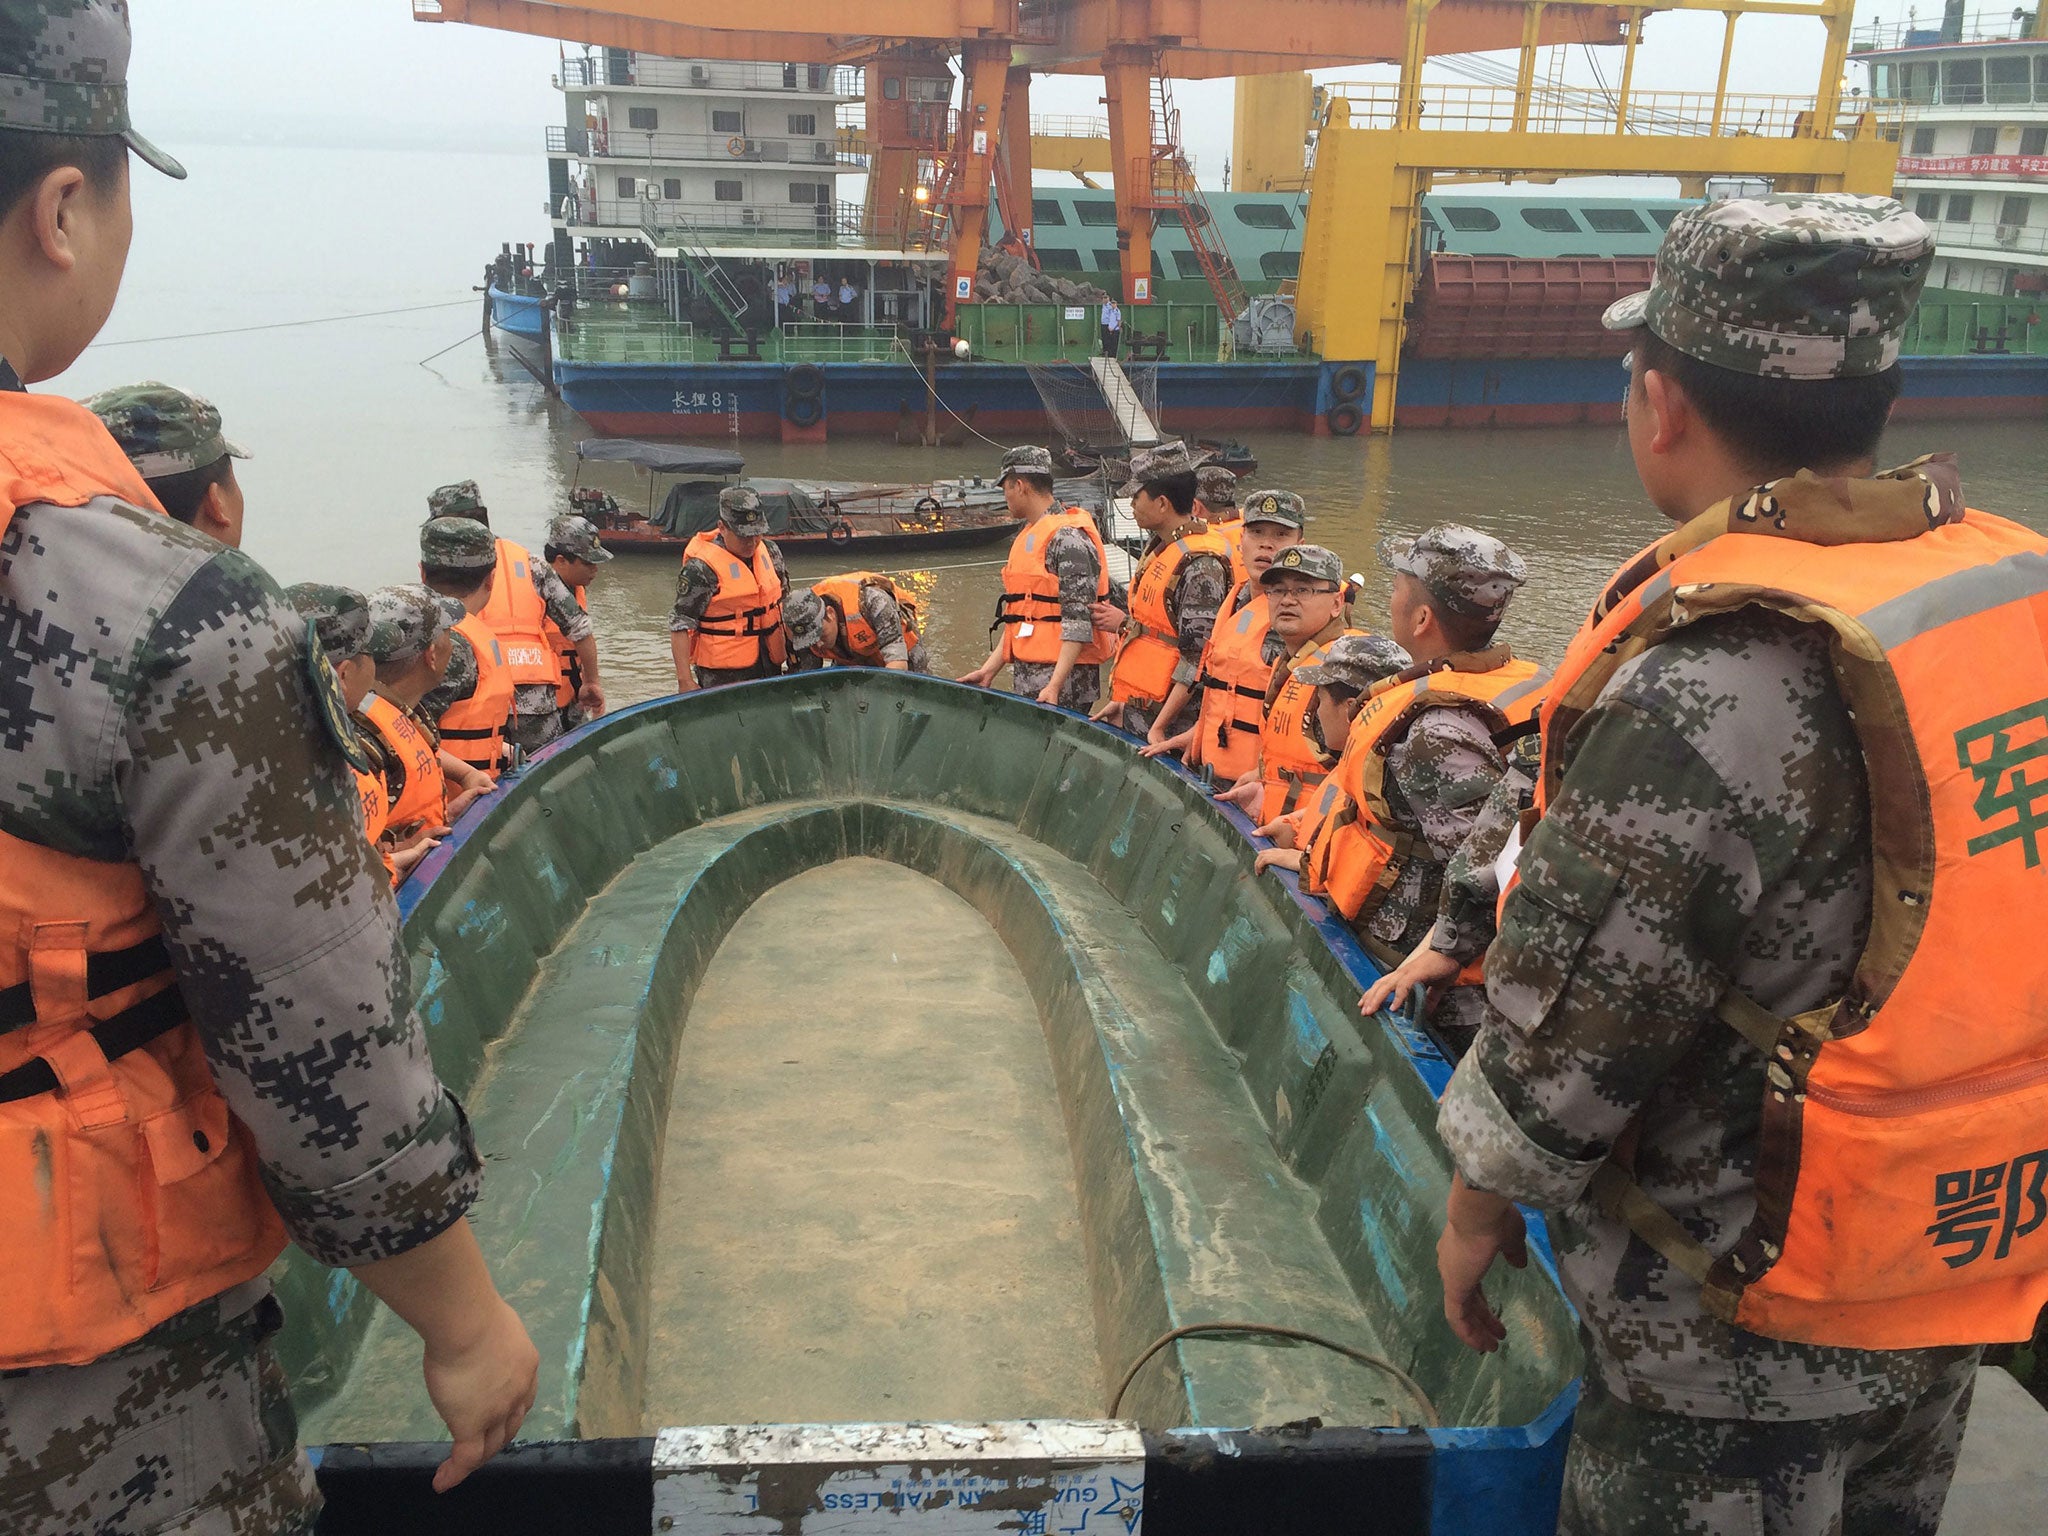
(482, 1390)
(405, 860)
(1280, 833)
(1050, 693)
(1110, 711)
(1245, 795)
(591, 697)
(465, 800)
(686, 682)
(1478, 1228)
(1157, 745)
(1106, 615)
(1424, 967)
(1277, 858)
(980, 677)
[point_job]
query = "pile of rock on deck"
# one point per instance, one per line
(1006, 279)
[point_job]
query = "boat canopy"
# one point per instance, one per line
(662, 458)
(792, 506)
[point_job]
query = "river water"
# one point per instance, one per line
(350, 429)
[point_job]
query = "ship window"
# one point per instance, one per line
(1664, 216)
(1187, 264)
(1107, 261)
(1923, 141)
(1167, 218)
(2034, 141)
(646, 119)
(1047, 210)
(625, 186)
(1472, 220)
(1095, 210)
(727, 122)
(1281, 263)
(1984, 139)
(1959, 208)
(892, 87)
(726, 191)
(2041, 78)
(672, 188)
(1917, 81)
(1058, 260)
(1613, 221)
(1962, 82)
(1552, 221)
(2009, 80)
(1928, 206)
(2013, 211)
(1264, 216)
(803, 123)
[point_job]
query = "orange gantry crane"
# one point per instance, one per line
(1000, 44)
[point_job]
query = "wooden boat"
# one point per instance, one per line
(853, 520)
(871, 1072)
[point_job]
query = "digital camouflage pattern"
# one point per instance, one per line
(1634, 1472)
(879, 605)
(156, 707)
(577, 537)
(1800, 285)
(1471, 895)
(1711, 828)
(1154, 464)
(1309, 560)
(803, 616)
(1472, 574)
(340, 615)
(162, 430)
(1355, 662)
(1028, 460)
(1080, 693)
(1216, 487)
(405, 620)
(461, 498)
(1282, 507)
(696, 585)
(739, 508)
(459, 543)
(191, 1426)
(64, 69)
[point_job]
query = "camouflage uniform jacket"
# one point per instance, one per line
(1070, 557)
(458, 682)
(156, 706)
(1711, 828)
(884, 614)
(1471, 894)
(565, 614)
(696, 585)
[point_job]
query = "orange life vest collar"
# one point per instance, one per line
(473, 729)
(418, 789)
(1292, 759)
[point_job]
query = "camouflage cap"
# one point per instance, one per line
(803, 616)
(404, 621)
(1157, 464)
(1471, 573)
(164, 431)
(577, 537)
(64, 69)
(1282, 507)
(340, 615)
(739, 508)
(460, 543)
(1026, 461)
(1310, 560)
(461, 499)
(1216, 486)
(1355, 661)
(1802, 285)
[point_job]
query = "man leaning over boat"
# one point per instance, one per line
(859, 619)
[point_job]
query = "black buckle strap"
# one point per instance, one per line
(475, 735)
(106, 971)
(128, 1030)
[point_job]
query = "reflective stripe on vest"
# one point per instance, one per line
(518, 616)
(1902, 1184)
(742, 624)
(1031, 592)
(1291, 762)
(1150, 652)
(473, 729)
(1355, 853)
(128, 1191)
(422, 794)
(859, 645)
(1235, 673)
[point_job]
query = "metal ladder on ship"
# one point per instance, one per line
(712, 280)
(1132, 419)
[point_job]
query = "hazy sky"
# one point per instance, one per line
(362, 71)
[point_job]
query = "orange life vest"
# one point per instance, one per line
(1902, 1176)
(1235, 673)
(742, 626)
(1030, 603)
(1150, 650)
(422, 794)
(376, 801)
(519, 618)
(1231, 531)
(570, 681)
(1291, 760)
(1354, 854)
(128, 1190)
(473, 729)
(859, 645)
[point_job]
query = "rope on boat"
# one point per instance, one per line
(932, 389)
(286, 325)
(1274, 1331)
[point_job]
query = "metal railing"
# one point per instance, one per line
(603, 340)
(646, 69)
(1989, 239)
(822, 341)
(1069, 126)
(2004, 26)
(1580, 109)
(1977, 328)
(656, 148)
(622, 336)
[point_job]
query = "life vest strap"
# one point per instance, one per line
(129, 1030)
(105, 972)
(747, 628)
(458, 734)
(1622, 1198)
(1751, 1020)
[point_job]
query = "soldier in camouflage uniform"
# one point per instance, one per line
(536, 716)
(805, 615)
(1712, 828)
(742, 525)
(1072, 557)
(574, 552)
(174, 441)
(458, 561)
(164, 713)
(1216, 496)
